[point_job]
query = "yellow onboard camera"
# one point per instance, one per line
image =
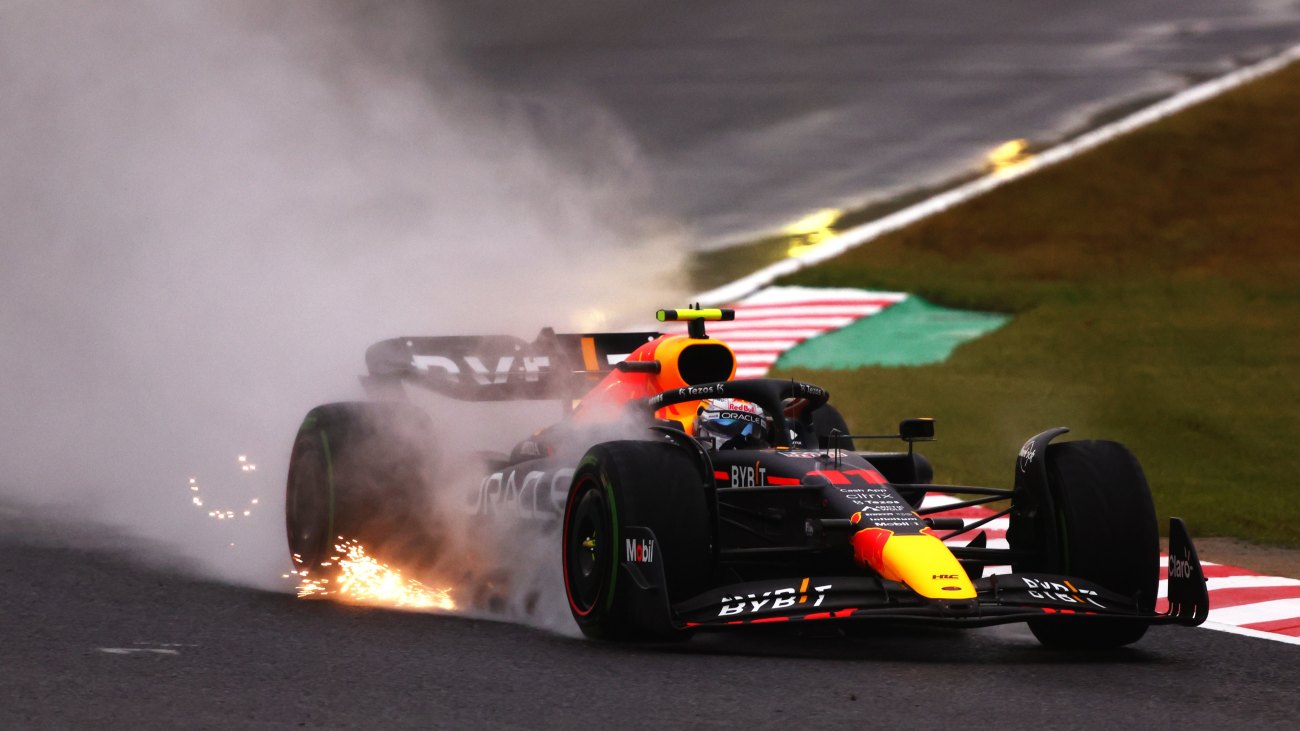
(695, 318)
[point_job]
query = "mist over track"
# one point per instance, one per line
(210, 211)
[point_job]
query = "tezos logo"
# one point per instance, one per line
(639, 550)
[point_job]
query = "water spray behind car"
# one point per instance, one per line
(211, 209)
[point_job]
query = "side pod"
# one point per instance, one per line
(1189, 600)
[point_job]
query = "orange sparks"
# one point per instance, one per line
(197, 497)
(361, 579)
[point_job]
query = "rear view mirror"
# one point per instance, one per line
(916, 430)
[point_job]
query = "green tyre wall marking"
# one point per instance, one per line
(613, 530)
(329, 482)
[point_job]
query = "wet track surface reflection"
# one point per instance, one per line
(94, 638)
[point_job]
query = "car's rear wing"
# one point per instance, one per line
(499, 367)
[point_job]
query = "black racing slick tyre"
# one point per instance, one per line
(1106, 532)
(619, 490)
(359, 471)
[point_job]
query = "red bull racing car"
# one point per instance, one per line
(689, 501)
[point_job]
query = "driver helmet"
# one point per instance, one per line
(731, 424)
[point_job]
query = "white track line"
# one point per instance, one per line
(859, 235)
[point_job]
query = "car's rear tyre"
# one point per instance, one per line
(633, 484)
(359, 471)
(1105, 531)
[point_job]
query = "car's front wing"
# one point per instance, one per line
(1000, 599)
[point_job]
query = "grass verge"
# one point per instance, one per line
(1156, 287)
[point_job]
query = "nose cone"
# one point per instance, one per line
(919, 560)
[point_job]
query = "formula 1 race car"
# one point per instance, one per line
(765, 514)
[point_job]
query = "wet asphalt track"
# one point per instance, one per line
(747, 114)
(208, 656)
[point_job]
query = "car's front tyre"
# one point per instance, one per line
(634, 488)
(1105, 531)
